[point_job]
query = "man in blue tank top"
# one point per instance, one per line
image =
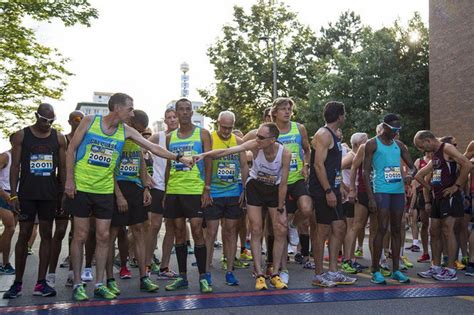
(387, 196)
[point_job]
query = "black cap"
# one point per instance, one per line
(389, 118)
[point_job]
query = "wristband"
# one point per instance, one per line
(11, 198)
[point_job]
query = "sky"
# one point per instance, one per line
(136, 47)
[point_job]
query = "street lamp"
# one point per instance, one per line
(273, 39)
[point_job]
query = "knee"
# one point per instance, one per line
(280, 231)
(103, 237)
(256, 232)
(9, 230)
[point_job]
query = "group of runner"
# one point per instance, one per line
(111, 172)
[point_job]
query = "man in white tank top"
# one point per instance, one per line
(155, 213)
(6, 213)
(266, 187)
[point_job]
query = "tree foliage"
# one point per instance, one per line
(372, 71)
(30, 71)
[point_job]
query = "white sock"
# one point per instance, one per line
(98, 284)
(416, 242)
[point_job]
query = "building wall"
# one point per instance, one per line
(452, 69)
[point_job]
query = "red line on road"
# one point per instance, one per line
(70, 305)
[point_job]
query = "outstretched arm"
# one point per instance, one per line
(246, 146)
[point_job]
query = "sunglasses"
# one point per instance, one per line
(260, 137)
(394, 129)
(45, 119)
(146, 134)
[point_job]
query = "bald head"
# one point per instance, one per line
(45, 109)
(76, 113)
(226, 122)
(226, 115)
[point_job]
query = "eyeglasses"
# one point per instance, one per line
(394, 129)
(260, 137)
(45, 119)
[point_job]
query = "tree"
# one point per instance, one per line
(30, 71)
(243, 62)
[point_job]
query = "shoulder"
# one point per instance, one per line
(17, 137)
(238, 140)
(204, 132)
(401, 145)
(155, 138)
(286, 153)
(252, 134)
(371, 144)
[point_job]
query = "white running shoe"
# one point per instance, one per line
(87, 275)
(293, 237)
(285, 276)
(51, 279)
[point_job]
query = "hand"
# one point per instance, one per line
(198, 157)
(372, 205)
(146, 197)
(428, 208)
(14, 203)
(344, 194)
(352, 196)
(408, 179)
(122, 204)
(450, 191)
(305, 173)
(70, 188)
(206, 199)
(188, 161)
(242, 199)
(60, 209)
(331, 200)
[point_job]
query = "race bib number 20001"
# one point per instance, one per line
(41, 164)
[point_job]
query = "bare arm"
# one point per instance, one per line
(244, 167)
(285, 170)
(62, 158)
(370, 148)
(469, 151)
(422, 174)
(246, 146)
(347, 161)
(144, 176)
(157, 150)
(16, 141)
(206, 147)
(406, 157)
(462, 161)
(321, 142)
(356, 163)
(251, 135)
(3, 160)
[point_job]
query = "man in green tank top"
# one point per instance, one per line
(187, 193)
(90, 165)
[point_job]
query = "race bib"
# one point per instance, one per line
(294, 162)
(226, 172)
(338, 179)
(178, 166)
(436, 179)
(100, 156)
(41, 164)
(392, 174)
(267, 178)
(129, 166)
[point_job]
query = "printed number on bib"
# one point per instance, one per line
(338, 179)
(129, 166)
(436, 179)
(392, 174)
(294, 162)
(100, 156)
(178, 166)
(226, 172)
(267, 178)
(41, 164)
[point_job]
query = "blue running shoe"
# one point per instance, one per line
(13, 292)
(378, 278)
(208, 277)
(400, 277)
(8, 269)
(230, 279)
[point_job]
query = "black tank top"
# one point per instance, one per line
(444, 173)
(39, 161)
(332, 166)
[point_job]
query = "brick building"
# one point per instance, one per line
(452, 69)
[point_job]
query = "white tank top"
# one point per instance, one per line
(346, 173)
(5, 173)
(268, 173)
(159, 165)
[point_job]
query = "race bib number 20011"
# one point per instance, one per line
(41, 164)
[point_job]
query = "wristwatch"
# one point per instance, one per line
(281, 210)
(328, 191)
(178, 156)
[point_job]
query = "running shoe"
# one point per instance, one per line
(340, 278)
(260, 283)
(285, 276)
(403, 267)
(358, 266)
(291, 251)
(430, 272)
(69, 282)
(113, 286)
(293, 237)
(51, 279)
(154, 268)
(299, 258)
(224, 263)
(190, 250)
(277, 283)
(156, 260)
(385, 269)
(444, 263)
(125, 273)
(133, 263)
(117, 262)
(424, 258)
(204, 286)
(246, 255)
(458, 265)
(400, 277)
(322, 281)
(359, 252)
(87, 275)
(79, 294)
(348, 268)
(239, 264)
(13, 292)
(230, 279)
(217, 244)
(30, 251)
(167, 274)
(447, 274)
(413, 248)
(65, 263)
(269, 271)
(178, 284)
(465, 260)
(147, 285)
(470, 271)
(104, 293)
(378, 278)
(309, 265)
(7, 269)
(42, 288)
(208, 278)
(407, 262)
